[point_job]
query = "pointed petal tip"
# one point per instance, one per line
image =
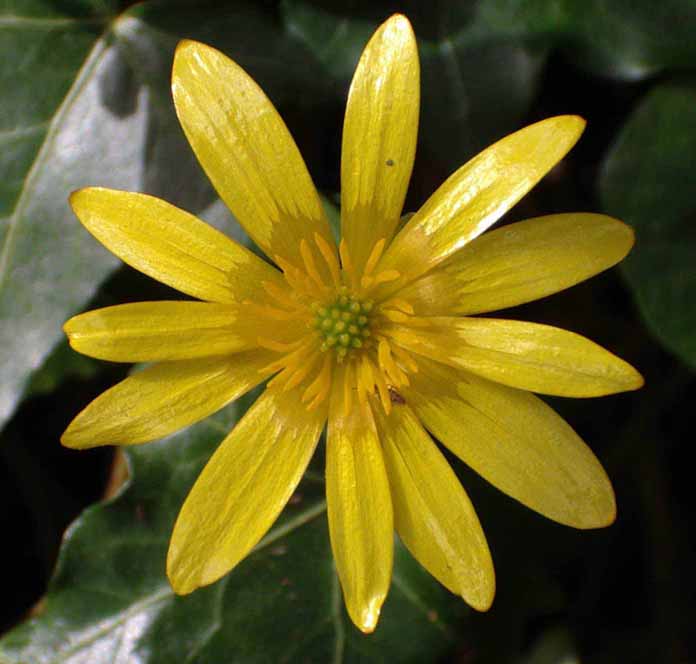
(399, 22)
(482, 603)
(572, 121)
(369, 616)
(180, 584)
(181, 589)
(630, 379)
(598, 520)
(184, 45)
(74, 196)
(570, 127)
(398, 31)
(77, 440)
(67, 439)
(637, 380)
(184, 53)
(480, 597)
(79, 197)
(600, 511)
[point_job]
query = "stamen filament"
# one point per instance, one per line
(322, 383)
(346, 262)
(374, 256)
(279, 295)
(398, 303)
(386, 276)
(310, 265)
(278, 346)
(329, 257)
(383, 390)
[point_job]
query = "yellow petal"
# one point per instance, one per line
(516, 442)
(164, 398)
(242, 489)
(379, 138)
(432, 513)
(246, 151)
(520, 263)
(359, 508)
(529, 356)
(478, 194)
(171, 245)
(152, 331)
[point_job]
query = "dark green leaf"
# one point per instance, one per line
(48, 264)
(62, 362)
(117, 128)
(625, 38)
(648, 180)
(476, 85)
(110, 601)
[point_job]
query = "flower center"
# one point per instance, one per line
(344, 325)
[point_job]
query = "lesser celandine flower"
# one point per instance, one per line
(374, 336)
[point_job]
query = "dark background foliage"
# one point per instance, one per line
(85, 101)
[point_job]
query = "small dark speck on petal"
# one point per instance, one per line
(390, 162)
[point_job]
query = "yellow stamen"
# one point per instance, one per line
(366, 282)
(278, 346)
(383, 390)
(290, 361)
(322, 383)
(374, 256)
(310, 265)
(346, 262)
(330, 257)
(279, 295)
(387, 364)
(274, 313)
(386, 276)
(296, 278)
(405, 358)
(398, 303)
(300, 374)
(396, 316)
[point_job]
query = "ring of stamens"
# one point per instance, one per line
(330, 296)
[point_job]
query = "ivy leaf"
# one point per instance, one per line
(103, 117)
(648, 180)
(627, 39)
(110, 602)
(49, 146)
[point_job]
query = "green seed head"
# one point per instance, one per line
(343, 325)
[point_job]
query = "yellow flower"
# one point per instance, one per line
(374, 336)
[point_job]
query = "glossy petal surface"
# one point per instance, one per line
(432, 513)
(171, 245)
(151, 331)
(242, 489)
(379, 137)
(360, 510)
(246, 151)
(529, 356)
(478, 194)
(516, 442)
(164, 398)
(520, 263)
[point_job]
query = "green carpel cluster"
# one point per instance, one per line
(344, 324)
